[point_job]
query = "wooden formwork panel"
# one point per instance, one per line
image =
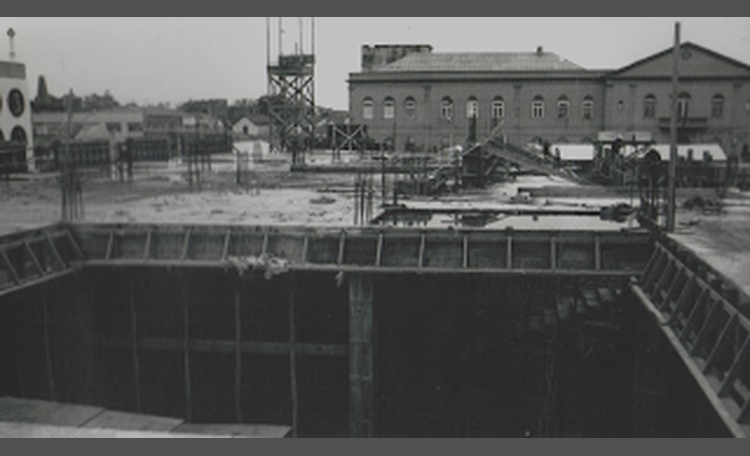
(400, 251)
(323, 250)
(372, 249)
(709, 333)
(444, 253)
(289, 247)
(361, 251)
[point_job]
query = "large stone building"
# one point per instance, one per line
(423, 100)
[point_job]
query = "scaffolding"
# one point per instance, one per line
(291, 91)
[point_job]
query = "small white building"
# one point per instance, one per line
(251, 126)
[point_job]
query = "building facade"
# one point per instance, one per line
(15, 108)
(417, 99)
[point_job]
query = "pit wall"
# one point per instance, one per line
(451, 356)
(340, 353)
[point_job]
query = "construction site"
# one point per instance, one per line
(201, 286)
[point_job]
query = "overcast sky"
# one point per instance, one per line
(150, 60)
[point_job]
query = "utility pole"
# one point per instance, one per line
(672, 177)
(11, 46)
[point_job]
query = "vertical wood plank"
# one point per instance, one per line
(134, 346)
(47, 347)
(553, 252)
(509, 252)
(238, 351)
(465, 260)
(293, 357)
(186, 245)
(342, 246)
(305, 248)
(422, 243)
(225, 248)
(361, 323)
(597, 252)
(186, 346)
(110, 246)
(379, 251)
(147, 247)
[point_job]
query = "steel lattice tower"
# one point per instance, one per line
(291, 93)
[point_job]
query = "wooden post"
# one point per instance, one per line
(361, 356)
(186, 345)
(47, 348)
(672, 171)
(238, 352)
(293, 359)
(134, 341)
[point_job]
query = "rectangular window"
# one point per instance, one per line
(537, 110)
(368, 110)
(389, 110)
(649, 109)
(135, 127)
(114, 127)
(683, 108)
(472, 109)
(446, 110)
(563, 109)
(717, 109)
(498, 110)
(587, 109)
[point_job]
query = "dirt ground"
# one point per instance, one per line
(160, 193)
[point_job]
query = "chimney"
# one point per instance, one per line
(539, 51)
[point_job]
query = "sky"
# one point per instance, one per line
(152, 60)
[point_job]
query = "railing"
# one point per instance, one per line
(710, 334)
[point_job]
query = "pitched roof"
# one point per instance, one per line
(482, 61)
(684, 45)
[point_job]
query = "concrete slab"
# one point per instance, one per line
(36, 411)
(238, 430)
(133, 422)
(34, 430)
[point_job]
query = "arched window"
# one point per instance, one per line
(537, 107)
(563, 107)
(368, 109)
(472, 108)
(587, 108)
(389, 108)
(683, 105)
(446, 109)
(498, 108)
(18, 134)
(717, 106)
(649, 107)
(410, 107)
